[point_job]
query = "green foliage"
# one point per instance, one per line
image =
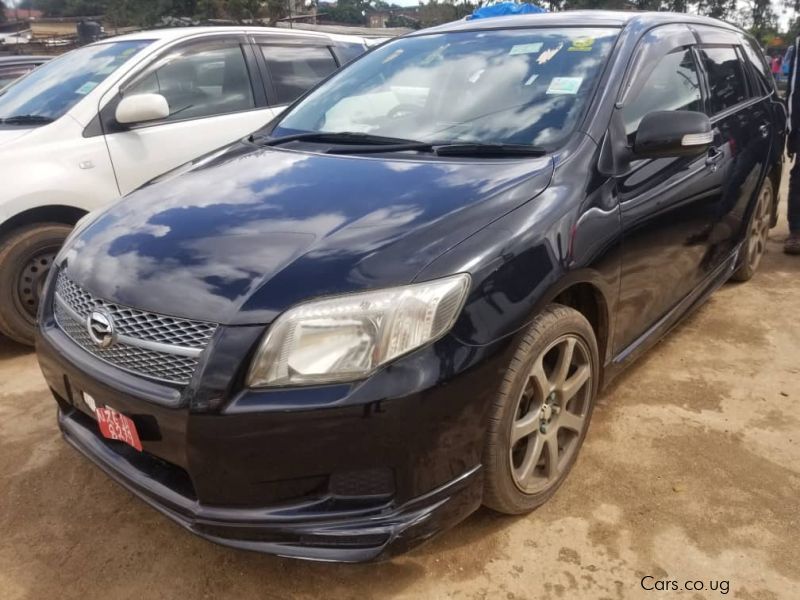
(756, 15)
(436, 12)
(352, 12)
(402, 21)
(764, 21)
(73, 8)
(243, 10)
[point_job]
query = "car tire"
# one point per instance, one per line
(755, 243)
(25, 258)
(542, 411)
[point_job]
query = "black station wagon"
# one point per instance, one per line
(398, 301)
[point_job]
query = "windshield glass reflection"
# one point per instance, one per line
(523, 86)
(55, 87)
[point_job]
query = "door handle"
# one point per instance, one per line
(764, 130)
(714, 157)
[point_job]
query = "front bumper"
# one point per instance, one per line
(338, 473)
(316, 533)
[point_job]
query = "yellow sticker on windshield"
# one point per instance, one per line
(582, 44)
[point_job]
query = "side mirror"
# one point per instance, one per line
(673, 133)
(141, 108)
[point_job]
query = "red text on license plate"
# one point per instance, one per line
(116, 426)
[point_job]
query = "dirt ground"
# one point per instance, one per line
(691, 472)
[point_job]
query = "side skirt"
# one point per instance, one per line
(663, 326)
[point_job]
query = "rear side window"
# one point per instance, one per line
(10, 74)
(296, 69)
(762, 73)
(673, 84)
(726, 78)
(347, 52)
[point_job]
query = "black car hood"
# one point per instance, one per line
(241, 239)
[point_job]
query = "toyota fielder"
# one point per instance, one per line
(399, 300)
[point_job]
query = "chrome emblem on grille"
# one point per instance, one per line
(101, 328)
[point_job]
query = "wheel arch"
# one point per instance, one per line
(51, 213)
(588, 298)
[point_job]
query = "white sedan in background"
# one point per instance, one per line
(98, 122)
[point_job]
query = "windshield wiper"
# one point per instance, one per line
(487, 149)
(360, 143)
(336, 137)
(26, 120)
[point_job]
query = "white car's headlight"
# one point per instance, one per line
(347, 337)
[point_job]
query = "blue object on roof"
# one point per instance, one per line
(505, 8)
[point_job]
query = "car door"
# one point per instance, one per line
(215, 95)
(293, 66)
(774, 111)
(668, 206)
(740, 114)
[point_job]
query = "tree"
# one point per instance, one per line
(243, 10)
(348, 11)
(437, 12)
(2, 12)
(277, 10)
(209, 9)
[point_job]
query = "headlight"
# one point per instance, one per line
(347, 337)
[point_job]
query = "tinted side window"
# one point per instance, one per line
(347, 52)
(201, 80)
(296, 69)
(672, 84)
(762, 72)
(726, 78)
(10, 74)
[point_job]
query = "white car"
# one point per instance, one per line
(19, 38)
(98, 122)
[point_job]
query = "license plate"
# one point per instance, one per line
(116, 426)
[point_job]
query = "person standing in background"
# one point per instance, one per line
(776, 65)
(792, 244)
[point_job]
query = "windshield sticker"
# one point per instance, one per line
(435, 56)
(531, 79)
(392, 56)
(526, 48)
(476, 75)
(583, 44)
(548, 54)
(86, 88)
(564, 85)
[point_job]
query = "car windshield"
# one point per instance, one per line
(520, 86)
(55, 87)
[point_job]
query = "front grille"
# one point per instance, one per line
(156, 346)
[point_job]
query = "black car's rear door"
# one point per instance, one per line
(741, 116)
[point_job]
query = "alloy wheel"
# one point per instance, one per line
(759, 228)
(551, 414)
